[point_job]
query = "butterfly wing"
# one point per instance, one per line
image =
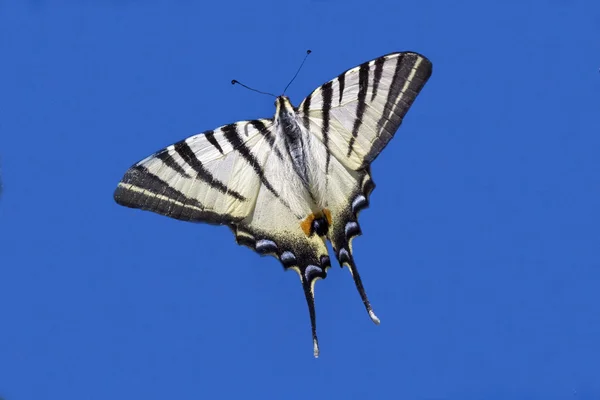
(210, 177)
(237, 175)
(356, 114)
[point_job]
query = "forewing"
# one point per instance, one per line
(356, 114)
(211, 177)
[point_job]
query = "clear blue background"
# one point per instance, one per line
(480, 251)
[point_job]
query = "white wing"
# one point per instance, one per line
(212, 177)
(356, 114)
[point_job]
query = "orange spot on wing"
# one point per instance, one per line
(307, 224)
(327, 215)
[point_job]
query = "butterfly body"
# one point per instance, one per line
(303, 174)
(288, 184)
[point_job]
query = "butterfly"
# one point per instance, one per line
(285, 185)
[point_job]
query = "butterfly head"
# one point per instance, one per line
(283, 103)
(285, 110)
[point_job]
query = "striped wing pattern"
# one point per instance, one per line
(286, 185)
(210, 177)
(356, 114)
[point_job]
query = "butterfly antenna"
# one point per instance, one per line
(299, 68)
(234, 81)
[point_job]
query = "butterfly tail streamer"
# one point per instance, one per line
(310, 300)
(309, 275)
(347, 260)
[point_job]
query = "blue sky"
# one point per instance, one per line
(480, 249)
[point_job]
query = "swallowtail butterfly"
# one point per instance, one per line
(286, 184)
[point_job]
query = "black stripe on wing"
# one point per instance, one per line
(166, 157)
(392, 96)
(399, 102)
(341, 84)
(377, 75)
(363, 86)
(187, 154)
(327, 93)
(262, 128)
(142, 189)
(231, 134)
(210, 136)
(306, 111)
